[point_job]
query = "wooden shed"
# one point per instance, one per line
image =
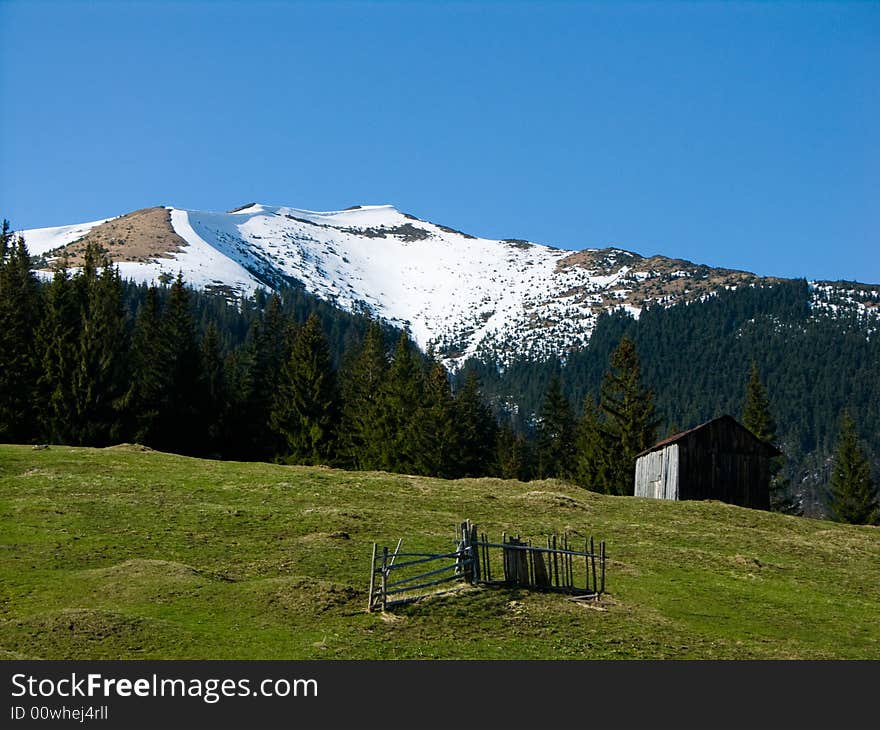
(720, 459)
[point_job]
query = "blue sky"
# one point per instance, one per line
(734, 134)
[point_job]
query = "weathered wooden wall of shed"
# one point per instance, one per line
(726, 463)
(657, 474)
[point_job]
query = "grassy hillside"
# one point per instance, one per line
(125, 553)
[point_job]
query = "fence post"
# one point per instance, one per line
(384, 576)
(570, 561)
(593, 561)
(603, 566)
(586, 566)
(372, 579)
(488, 557)
(465, 567)
(475, 555)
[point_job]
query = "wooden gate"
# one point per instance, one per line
(558, 566)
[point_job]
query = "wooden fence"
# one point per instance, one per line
(399, 577)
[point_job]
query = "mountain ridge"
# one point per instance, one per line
(462, 295)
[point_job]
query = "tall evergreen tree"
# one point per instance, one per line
(306, 409)
(436, 439)
(100, 377)
(20, 313)
(402, 396)
(5, 238)
(756, 408)
(854, 498)
(758, 418)
(629, 425)
(58, 342)
(513, 456)
(179, 428)
(476, 428)
(591, 458)
(364, 432)
(556, 431)
(213, 410)
(267, 351)
(149, 388)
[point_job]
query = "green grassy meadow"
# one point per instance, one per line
(125, 553)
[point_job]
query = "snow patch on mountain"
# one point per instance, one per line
(43, 240)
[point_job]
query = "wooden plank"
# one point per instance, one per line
(570, 560)
(602, 587)
(593, 561)
(448, 578)
(541, 578)
(372, 579)
(586, 569)
(445, 568)
(475, 554)
(530, 567)
(555, 561)
(399, 543)
(427, 559)
(517, 561)
(424, 555)
(384, 576)
(488, 561)
(522, 565)
(567, 559)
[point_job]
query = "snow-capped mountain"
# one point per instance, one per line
(462, 294)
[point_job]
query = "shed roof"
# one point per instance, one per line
(771, 449)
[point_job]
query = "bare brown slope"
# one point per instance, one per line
(667, 277)
(142, 235)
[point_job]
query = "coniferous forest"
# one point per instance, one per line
(89, 359)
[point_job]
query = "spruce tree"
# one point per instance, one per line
(854, 498)
(756, 417)
(149, 390)
(100, 376)
(556, 431)
(364, 430)
(591, 458)
(476, 427)
(213, 409)
(264, 357)
(629, 424)
(513, 460)
(179, 427)
(58, 342)
(20, 313)
(756, 408)
(402, 396)
(435, 435)
(5, 238)
(306, 409)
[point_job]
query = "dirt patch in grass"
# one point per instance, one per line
(139, 568)
(302, 594)
(138, 580)
(551, 499)
(84, 633)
